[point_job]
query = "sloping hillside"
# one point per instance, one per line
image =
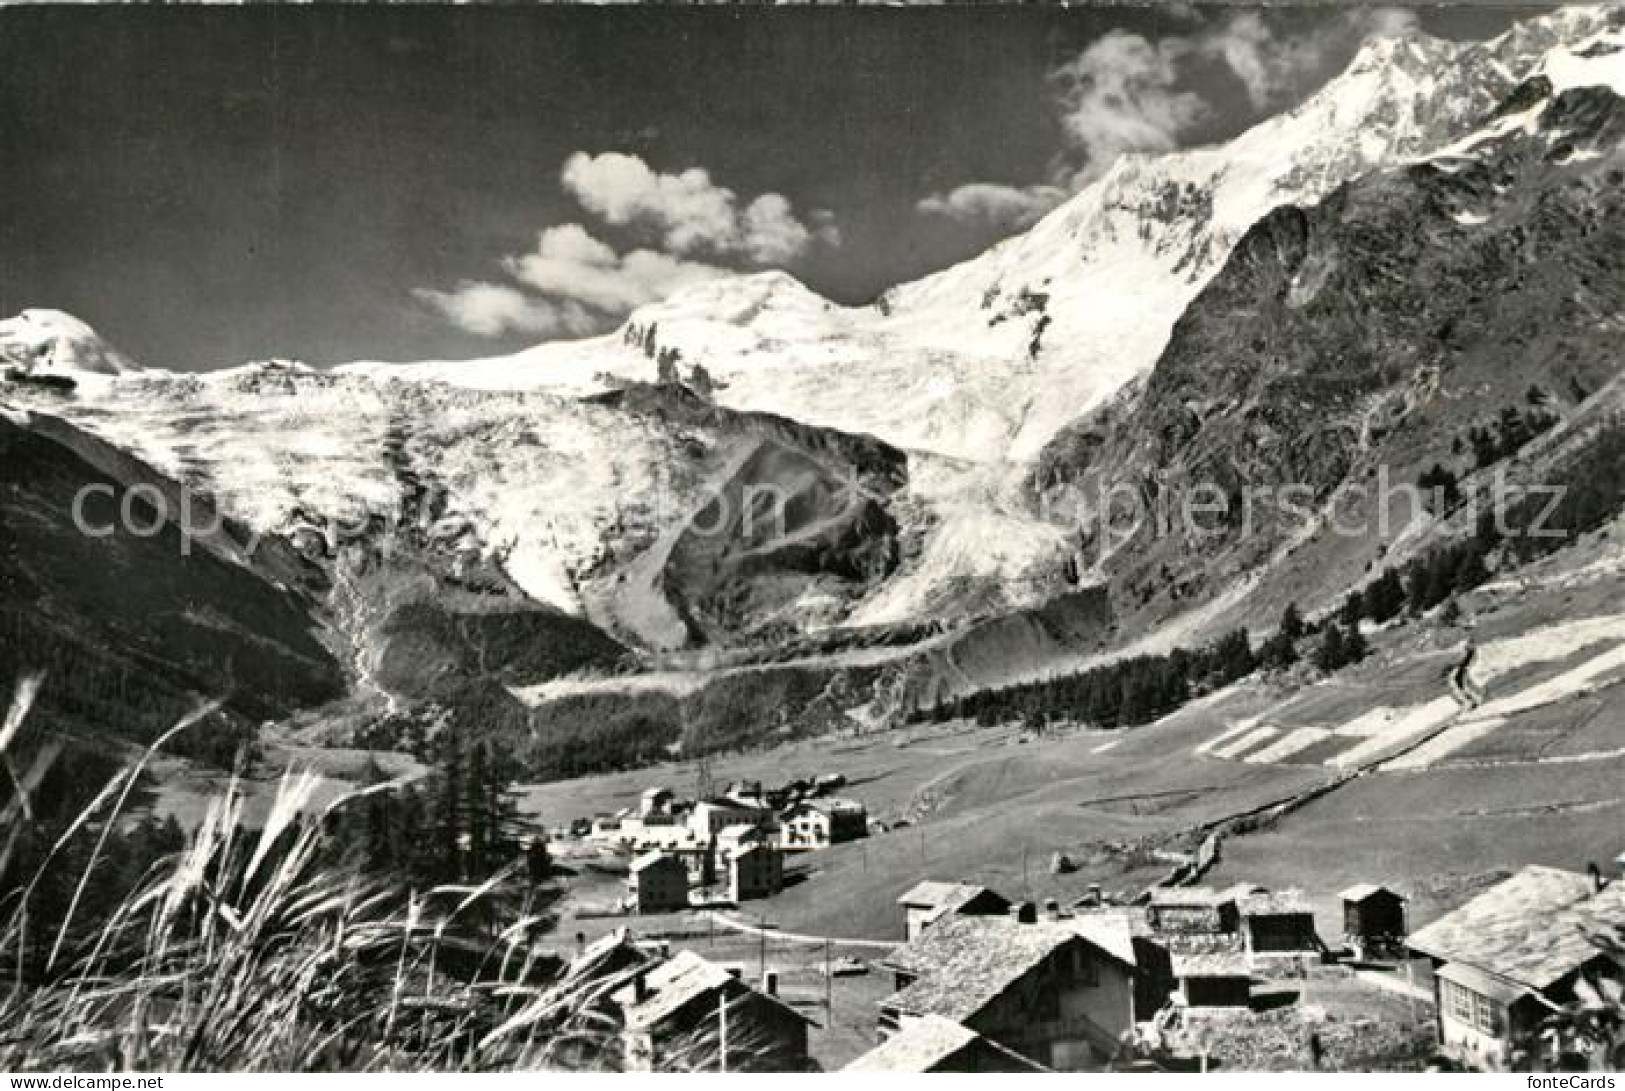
(1349, 346)
(132, 622)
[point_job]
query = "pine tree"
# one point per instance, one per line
(478, 836)
(1384, 597)
(1279, 652)
(1291, 625)
(1416, 589)
(1352, 610)
(1451, 613)
(1470, 571)
(447, 820)
(1332, 654)
(700, 382)
(1354, 646)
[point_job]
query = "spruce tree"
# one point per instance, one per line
(1291, 626)
(1470, 571)
(1331, 655)
(1354, 646)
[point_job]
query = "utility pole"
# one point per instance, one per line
(829, 990)
(761, 966)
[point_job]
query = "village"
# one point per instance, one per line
(736, 839)
(1173, 977)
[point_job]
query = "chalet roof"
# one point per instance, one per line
(965, 963)
(1111, 930)
(1179, 945)
(649, 859)
(1195, 897)
(727, 803)
(1272, 903)
(1359, 892)
(830, 807)
(1210, 964)
(928, 1042)
(671, 985)
(596, 953)
(1530, 930)
(841, 805)
(936, 894)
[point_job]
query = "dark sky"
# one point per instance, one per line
(207, 186)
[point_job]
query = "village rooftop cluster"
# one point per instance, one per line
(738, 837)
(1176, 977)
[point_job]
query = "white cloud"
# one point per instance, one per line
(992, 203)
(491, 310)
(569, 264)
(1121, 95)
(1272, 67)
(691, 213)
(1129, 93)
(573, 283)
(1387, 22)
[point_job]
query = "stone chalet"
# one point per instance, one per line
(754, 871)
(1197, 909)
(1509, 957)
(1217, 978)
(657, 882)
(818, 824)
(690, 1013)
(934, 1044)
(926, 903)
(1037, 987)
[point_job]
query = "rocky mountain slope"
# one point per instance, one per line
(1374, 333)
(132, 623)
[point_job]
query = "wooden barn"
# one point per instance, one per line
(1277, 923)
(1214, 979)
(1373, 919)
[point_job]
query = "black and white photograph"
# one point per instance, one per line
(762, 539)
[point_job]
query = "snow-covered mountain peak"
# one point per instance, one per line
(1410, 51)
(1567, 26)
(1597, 62)
(739, 300)
(40, 340)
